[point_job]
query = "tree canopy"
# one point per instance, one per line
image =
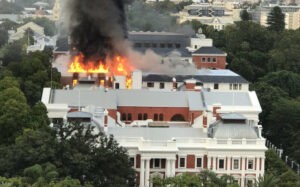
(275, 19)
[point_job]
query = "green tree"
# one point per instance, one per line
(285, 121)
(87, 156)
(3, 37)
(285, 80)
(275, 19)
(245, 16)
(267, 181)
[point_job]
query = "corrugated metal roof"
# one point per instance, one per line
(152, 98)
(139, 98)
(220, 130)
(157, 133)
(227, 98)
(86, 97)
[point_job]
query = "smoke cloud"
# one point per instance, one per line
(96, 27)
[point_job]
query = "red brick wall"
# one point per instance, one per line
(190, 86)
(112, 113)
(190, 161)
(168, 112)
(219, 64)
(205, 161)
(138, 161)
(193, 115)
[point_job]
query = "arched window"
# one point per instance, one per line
(161, 117)
(178, 117)
(123, 117)
(145, 116)
(129, 117)
(155, 117)
(140, 116)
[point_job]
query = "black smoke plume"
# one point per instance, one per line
(96, 27)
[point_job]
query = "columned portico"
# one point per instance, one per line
(145, 180)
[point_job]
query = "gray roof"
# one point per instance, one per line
(201, 78)
(227, 98)
(79, 115)
(152, 98)
(232, 116)
(209, 50)
(139, 98)
(220, 130)
(157, 133)
(157, 36)
(86, 97)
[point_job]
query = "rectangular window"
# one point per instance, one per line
(250, 164)
(156, 163)
(195, 46)
(235, 86)
(182, 162)
(199, 162)
(117, 85)
(230, 86)
(150, 84)
(236, 164)
(162, 45)
(131, 161)
(208, 59)
(137, 45)
(170, 45)
(240, 86)
(154, 45)
(147, 45)
(203, 59)
(216, 86)
(161, 85)
(221, 163)
(177, 46)
(214, 60)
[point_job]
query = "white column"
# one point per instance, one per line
(228, 164)
(208, 162)
(173, 167)
(147, 173)
(257, 168)
(243, 172)
(262, 166)
(168, 167)
(214, 163)
(142, 173)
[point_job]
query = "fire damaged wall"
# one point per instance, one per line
(96, 27)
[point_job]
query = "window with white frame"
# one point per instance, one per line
(250, 164)
(221, 163)
(199, 162)
(156, 163)
(181, 163)
(236, 163)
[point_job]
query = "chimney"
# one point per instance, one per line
(190, 84)
(105, 120)
(204, 119)
(174, 84)
(216, 108)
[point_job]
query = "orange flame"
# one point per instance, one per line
(116, 66)
(77, 66)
